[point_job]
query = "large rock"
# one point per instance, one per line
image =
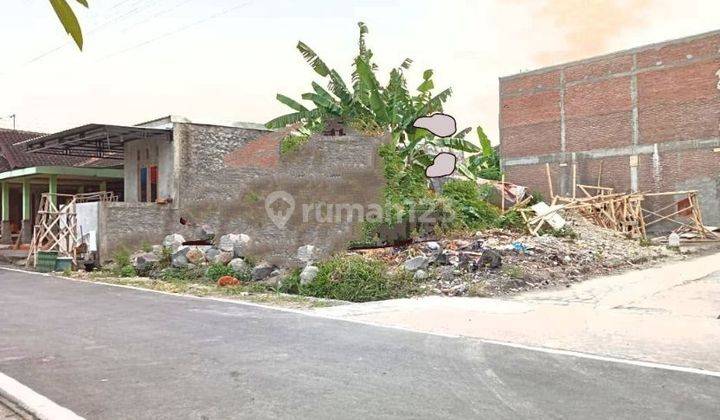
(237, 264)
(262, 271)
(308, 274)
(416, 263)
(195, 255)
(179, 259)
(224, 257)
(145, 261)
(211, 254)
(237, 243)
(306, 254)
(173, 242)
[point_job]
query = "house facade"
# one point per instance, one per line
(25, 176)
(645, 119)
(181, 175)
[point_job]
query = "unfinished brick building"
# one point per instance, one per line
(651, 115)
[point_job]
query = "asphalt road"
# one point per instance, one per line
(113, 353)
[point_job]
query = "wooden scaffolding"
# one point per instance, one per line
(56, 227)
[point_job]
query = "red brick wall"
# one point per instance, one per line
(671, 86)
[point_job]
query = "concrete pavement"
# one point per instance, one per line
(114, 353)
(664, 314)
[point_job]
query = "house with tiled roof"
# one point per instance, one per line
(24, 176)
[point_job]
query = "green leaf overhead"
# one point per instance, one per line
(68, 19)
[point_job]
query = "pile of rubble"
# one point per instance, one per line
(498, 262)
(231, 250)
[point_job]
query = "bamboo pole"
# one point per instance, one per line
(549, 180)
(600, 174)
(574, 179)
(502, 189)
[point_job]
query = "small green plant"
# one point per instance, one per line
(352, 278)
(645, 242)
(122, 257)
(292, 143)
(215, 271)
(67, 272)
(513, 271)
(471, 210)
(146, 246)
(564, 232)
(511, 220)
(127, 271)
(251, 197)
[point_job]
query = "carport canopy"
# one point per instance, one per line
(93, 140)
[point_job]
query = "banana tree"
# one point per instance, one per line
(369, 106)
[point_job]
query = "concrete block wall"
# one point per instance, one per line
(222, 176)
(657, 105)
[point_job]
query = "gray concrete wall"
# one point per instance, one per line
(223, 175)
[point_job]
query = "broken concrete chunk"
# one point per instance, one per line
(145, 261)
(416, 263)
(224, 257)
(237, 243)
(211, 254)
(490, 259)
(173, 242)
(195, 255)
(237, 264)
(308, 274)
(420, 275)
(262, 271)
(306, 254)
(179, 259)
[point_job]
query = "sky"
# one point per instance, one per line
(227, 59)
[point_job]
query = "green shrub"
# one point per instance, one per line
(511, 220)
(471, 210)
(217, 270)
(183, 275)
(127, 271)
(122, 257)
(146, 246)
(352, 278)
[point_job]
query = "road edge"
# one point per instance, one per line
(33, 403)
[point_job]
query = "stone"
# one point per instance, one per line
(205, 233)
(195, 255)
(179, 259)
(173, 242)
(237, 264)
(158, 250)
(238, 244)
(308, 274)
(433, 248)
(420, 275)
(211, 254)
(306, 254)
(224, 257)
(416, 263)
(262, 271)
(490, 259)
(145, 261)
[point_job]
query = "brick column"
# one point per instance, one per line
(27, 226)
